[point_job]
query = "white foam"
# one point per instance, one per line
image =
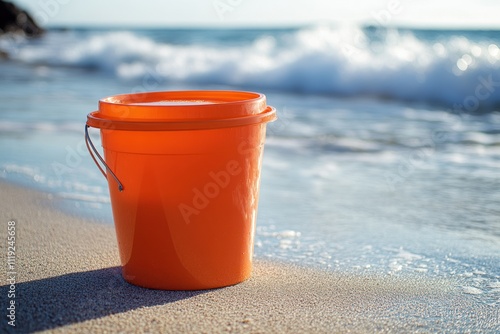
(494, 285)
(395, 267)
(321, 59)
(85, 197)
(286, 244)
(78, 186)
(286, 234)
(20, 169)
(470, 290)
(482, 138)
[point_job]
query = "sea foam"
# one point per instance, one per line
(340, 61)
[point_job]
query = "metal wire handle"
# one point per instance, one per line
(89, 141)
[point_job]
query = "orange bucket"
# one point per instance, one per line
(183, 170)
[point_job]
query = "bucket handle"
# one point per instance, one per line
(89, 141)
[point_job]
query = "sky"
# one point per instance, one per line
(479, 14)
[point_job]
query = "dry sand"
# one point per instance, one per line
(68, 280)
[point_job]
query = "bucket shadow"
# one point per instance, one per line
(63, 300)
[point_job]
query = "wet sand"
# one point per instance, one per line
(68, 280)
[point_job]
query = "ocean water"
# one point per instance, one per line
(385, 158)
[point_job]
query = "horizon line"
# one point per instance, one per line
(268, 27)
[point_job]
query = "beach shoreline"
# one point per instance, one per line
(67, 279)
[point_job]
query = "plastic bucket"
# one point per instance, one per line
(183, 170)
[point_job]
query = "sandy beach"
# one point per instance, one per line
(67, 279)
(378, 190)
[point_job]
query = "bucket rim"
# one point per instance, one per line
(95, 120)
(192, 104)
(194, 94)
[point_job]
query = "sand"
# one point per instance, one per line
(68, 280)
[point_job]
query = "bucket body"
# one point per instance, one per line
(185, 218)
